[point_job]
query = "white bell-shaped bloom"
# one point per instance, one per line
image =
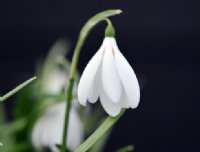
(48, 129)
(55, 82)
(109, 76)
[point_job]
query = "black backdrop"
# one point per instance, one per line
(160, 39)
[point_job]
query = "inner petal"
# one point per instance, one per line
(110, 78)
(113, 109)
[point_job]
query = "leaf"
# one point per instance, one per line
(105, 126)
(128, 148)
(99, 146)
(12, 92)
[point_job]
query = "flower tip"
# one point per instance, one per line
(134, 106)
(114, 114)
(83, 104)
(119, 11)
(34, 78)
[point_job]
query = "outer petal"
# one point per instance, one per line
(55, 128)
(48, 129)
(111, 108)
(110, 79)
(75, 136)
(95, 88)
(124, 101)
(37, 134)
(88, 76)
(128, 78)
(55, 82)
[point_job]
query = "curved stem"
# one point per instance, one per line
(90, 24)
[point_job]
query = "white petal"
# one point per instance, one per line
(38, 133)
(110, 79)
(48, 129)
(128, 78)
(111, 108)
(95, 88)
(75, 136)
(55, 82)
(124, 101)
(88, 76)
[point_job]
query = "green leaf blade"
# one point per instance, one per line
(18, 88)
(104, 127)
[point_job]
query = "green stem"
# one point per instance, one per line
(90, 24)
(105, 126)
(12, 92)
(67, 113)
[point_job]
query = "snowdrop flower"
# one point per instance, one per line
(55, 82)
(48, 129)
(55, 69)
(109, 76)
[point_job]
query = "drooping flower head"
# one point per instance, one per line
(109, 76)
(48, 129)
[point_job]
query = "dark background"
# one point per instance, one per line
(160, 39)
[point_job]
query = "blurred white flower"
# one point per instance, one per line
(48, 129)
(55, 70)
(109, 76)
(55, 82)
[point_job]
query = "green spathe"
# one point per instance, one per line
(110, 30)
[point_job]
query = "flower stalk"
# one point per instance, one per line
(67, 112)
(81, 39)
